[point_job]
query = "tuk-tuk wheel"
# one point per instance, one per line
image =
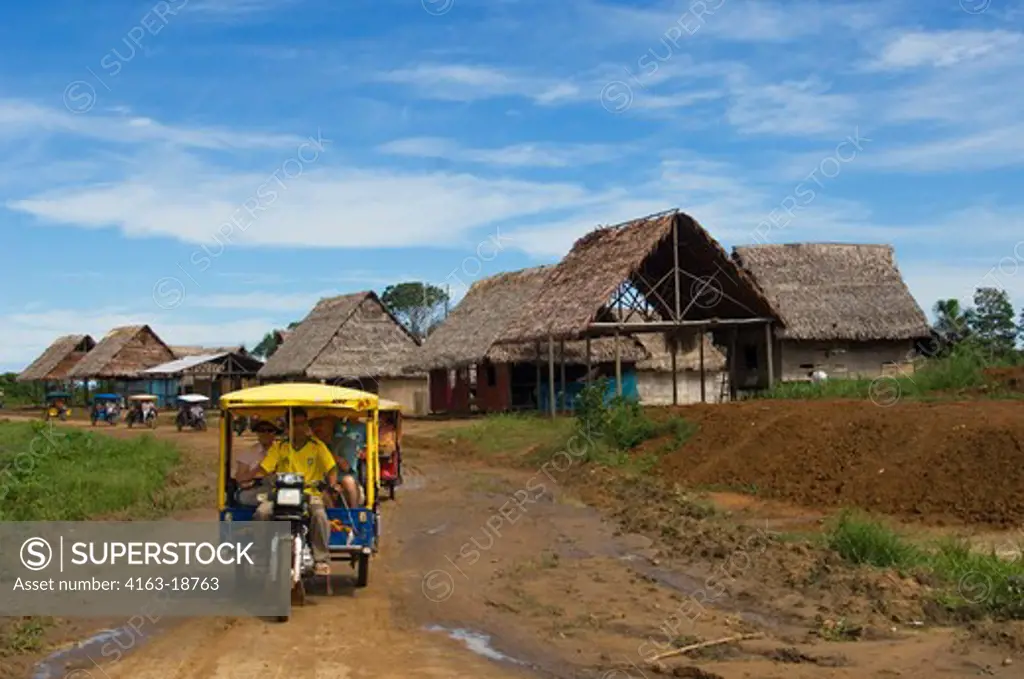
(362, 570)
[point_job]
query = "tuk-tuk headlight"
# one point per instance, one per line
(289, 497)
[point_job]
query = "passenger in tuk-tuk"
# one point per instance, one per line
(248, 460)
(327, 430)
(308, 456)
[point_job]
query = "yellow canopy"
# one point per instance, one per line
(298, 395)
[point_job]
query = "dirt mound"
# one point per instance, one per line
(959, 461)
(1006, 379)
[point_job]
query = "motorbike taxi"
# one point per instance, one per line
(191, 412)
(105, 408)
(57, 406)
(142, 410)
(354, 532)
(390, 446)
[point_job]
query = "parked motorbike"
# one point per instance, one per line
(137, 416)
(187, 418)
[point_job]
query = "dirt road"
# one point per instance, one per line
(493, 572)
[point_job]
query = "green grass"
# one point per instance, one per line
(509, 433)
(934, 378)
(58, 474)
(24, 635)
(969, 580)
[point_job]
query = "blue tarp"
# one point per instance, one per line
(573, 389)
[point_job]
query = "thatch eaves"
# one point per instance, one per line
(59, 358)
(835, 291)
(346, 337)
(639, 252)
(123, 354)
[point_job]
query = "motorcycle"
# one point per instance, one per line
(186, 418)
(137, 416)
(291, 502)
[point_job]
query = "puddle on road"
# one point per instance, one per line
(477, 643)
(104, 646)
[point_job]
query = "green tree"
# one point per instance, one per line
(268, 345)
(419, 306)
(1020, 326)
(951, 323)
(992, 324)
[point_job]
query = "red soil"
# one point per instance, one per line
(944, 462)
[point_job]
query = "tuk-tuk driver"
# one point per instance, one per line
(308, 456)
(324, 428)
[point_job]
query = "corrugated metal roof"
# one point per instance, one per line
(182, 364)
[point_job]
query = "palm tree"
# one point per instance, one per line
(952, 322)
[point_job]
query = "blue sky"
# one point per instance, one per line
(213, 167)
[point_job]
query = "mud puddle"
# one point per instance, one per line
(103, 647)
(478, 643)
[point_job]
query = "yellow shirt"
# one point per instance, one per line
(314, 461)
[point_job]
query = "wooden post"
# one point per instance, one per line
(588, 360)
(770, 352)
(565, 394)
(551, 375)
(703, 374)
(618, 366)
(537, 347)
(675, 375)
(732, 362)
(675, 263)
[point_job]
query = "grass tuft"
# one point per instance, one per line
(969, 581)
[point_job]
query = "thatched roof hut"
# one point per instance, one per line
(346, 337)
(123, 354)
(58, 359)
(835, 291)
(469, 334)
(641, 253)
(281, 335)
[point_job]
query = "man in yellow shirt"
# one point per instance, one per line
(308, 456)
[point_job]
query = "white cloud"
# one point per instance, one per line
(455, 82)
(944, 48)
(324, 207)
(797, 108)
(21, 119)
(930, 281)
(516, 155)
(235, 8)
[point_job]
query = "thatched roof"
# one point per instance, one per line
(183, 351)
(346, 337)
(281, 335)
(58, 359)
(468, 335)
(835, 291)
(123, 354)
(639, 252)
